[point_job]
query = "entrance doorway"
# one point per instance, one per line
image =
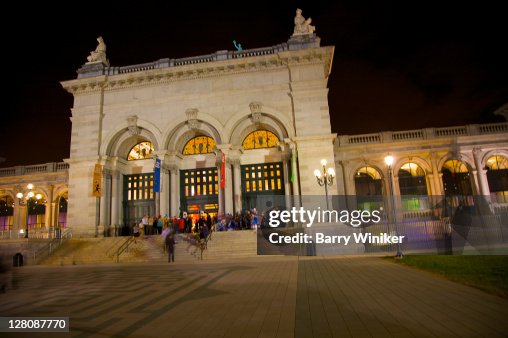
(262, 186)
(138, 199)
(199, 191)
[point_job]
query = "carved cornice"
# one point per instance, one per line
(321, 55)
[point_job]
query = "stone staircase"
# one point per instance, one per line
(222, 246)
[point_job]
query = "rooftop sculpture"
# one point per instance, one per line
(99, 54)
(302, 25)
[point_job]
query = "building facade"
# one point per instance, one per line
(229, 128)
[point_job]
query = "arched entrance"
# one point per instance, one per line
(369, 188)
(62, 212)
(457, 183)
(138, 195)
(413, 187)
(497, 176)
(6, 212)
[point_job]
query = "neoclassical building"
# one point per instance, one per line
(216, 133)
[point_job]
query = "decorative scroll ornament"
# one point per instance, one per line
(192, 118)
(132, 122)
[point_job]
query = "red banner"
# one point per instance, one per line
(223, 172)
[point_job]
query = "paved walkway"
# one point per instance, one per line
(258, 297)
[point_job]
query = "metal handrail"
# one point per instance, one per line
(123, 247)
(52, 245)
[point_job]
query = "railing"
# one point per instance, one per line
(408, 135)
(451, 131)
(421, 134)
(124, 247)
(369, 138)
(167, 63)
(8, 171)
(47, 249)
(51, 167)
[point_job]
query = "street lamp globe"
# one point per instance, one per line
(389, 160)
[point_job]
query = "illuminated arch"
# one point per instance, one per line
(368, 188)
(141, 151)
(199, 145)
(497, 177)
(260, 139)
(413, 187)
(455, 167)
(497, 163)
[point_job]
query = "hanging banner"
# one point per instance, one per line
(223, 172)
(293, 166)
(157, 176)
(97, 180)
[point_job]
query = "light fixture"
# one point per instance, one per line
(23, 200)
(325, 178)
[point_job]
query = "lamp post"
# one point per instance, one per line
(325, 178)
(24, 199)
(389, 162)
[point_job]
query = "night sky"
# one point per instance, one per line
(397, 65)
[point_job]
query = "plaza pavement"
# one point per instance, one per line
(254, 297)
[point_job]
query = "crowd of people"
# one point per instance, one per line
(196, 230)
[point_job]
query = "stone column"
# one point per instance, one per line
(481, 173)
(174, 191)
(295, 185)
(228, 190)
(116, 199)
(287, 182)
(434, 176)
(48, 214)
(237, 177)
(19, 219)
(164, 195)
(104, 204)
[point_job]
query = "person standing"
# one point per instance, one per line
(170, 247)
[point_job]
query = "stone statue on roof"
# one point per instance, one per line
(302, 25)
(99, 54)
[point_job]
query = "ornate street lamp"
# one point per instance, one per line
(389, 161)
(24, 199)
(325, 178)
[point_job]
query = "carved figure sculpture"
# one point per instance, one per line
(302, 25)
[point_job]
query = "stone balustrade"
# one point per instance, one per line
(422, 134)
(51, 167)
(167, 63)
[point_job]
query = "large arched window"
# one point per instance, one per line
(368, 187)
(140, 151)
(62, 211)
(457, 183)
(413, 187)
(6, 212)
(260, 139)
(497, 176)
(199, 145)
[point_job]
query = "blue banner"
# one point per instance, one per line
(157, 176)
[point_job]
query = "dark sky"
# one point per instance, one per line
(397, 65)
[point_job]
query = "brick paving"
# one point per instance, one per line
(254, 297)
